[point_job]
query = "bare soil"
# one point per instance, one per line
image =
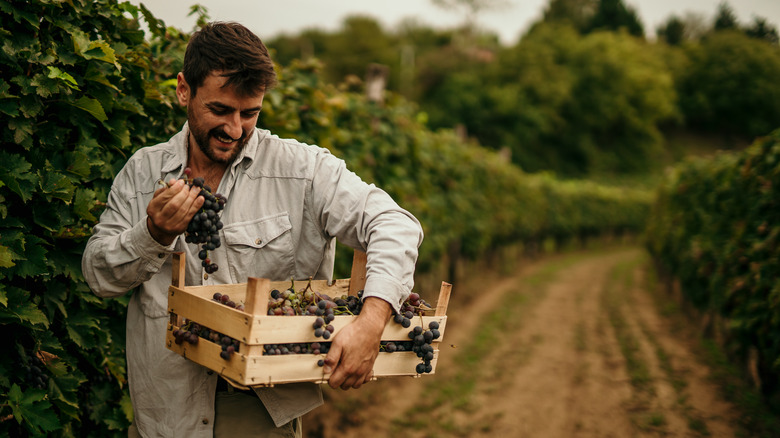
(570, 345)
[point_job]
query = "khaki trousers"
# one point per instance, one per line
(239, 415)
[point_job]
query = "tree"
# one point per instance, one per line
(577, 13)
(615, 15)
(672, 31)
(762, 30)
(730, 85)
(725, 18)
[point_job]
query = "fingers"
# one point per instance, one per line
(172, 208)
(349, 369)
(331, 363)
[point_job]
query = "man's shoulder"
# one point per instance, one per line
(272, 144)
(150, 162)
(289, 157)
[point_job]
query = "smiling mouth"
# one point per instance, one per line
(224, 138)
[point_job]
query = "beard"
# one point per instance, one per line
(202, 139)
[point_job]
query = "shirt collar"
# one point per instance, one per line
(178, 159)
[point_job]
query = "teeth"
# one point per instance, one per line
(225, 139)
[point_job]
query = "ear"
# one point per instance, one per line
(182, 90)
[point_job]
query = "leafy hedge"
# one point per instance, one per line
(716, 227)
(78, 93)
(81, 88)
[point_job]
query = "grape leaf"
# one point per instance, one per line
(64, 77)
(56, 185)
(32, 408)
(23, 130)
(79, 326)
(85, 201)
(9, 107)
(15, 173)
(92, 106)
(64, 387)
(20, 309)
(6, 257)
(34, 260)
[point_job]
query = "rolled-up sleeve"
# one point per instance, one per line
(121, 254)
(363, 216)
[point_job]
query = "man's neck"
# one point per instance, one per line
(202, 166)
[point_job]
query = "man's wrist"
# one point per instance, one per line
(376, 312)
(160, 237)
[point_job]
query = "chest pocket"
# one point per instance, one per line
(260, 248)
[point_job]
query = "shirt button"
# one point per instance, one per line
(205, 421)
(258, 241)
(205, 276)
(160, 255)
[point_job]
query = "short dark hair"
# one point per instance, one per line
(233, 49)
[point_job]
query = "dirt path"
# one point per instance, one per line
(569, 346)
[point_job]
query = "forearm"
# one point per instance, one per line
(117, 259)
(374, 315)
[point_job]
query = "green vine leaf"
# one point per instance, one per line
(6, 257)
(21, 309)
(92, 106)
(65, 78)
(15, 173)
(32, 408)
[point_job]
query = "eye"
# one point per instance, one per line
(249, 114)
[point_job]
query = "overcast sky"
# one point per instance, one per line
(270, 18)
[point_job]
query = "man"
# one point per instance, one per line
(286, 203)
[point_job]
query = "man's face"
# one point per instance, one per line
(221, 121)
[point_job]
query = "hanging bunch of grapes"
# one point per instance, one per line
(204, 227)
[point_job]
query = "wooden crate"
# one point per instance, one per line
(254, 328)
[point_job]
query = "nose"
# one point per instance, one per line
(233, 125)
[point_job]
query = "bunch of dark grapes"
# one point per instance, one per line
(228, 344)
(204, 226)
(414, 305)
(225, 299)
(422, 341)
(297, 348)
(34, 366)
(325, 315)
(189, 332)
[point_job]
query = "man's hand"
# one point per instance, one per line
(355, 348)
(170, 210)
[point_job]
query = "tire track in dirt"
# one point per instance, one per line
(573, 383)
(687, 387)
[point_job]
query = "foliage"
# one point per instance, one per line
(730, 85)
(575, 104)
(615, 15)
(725, 18)
(715, 227)
(78, 93)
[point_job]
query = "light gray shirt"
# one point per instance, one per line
(286, 203)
